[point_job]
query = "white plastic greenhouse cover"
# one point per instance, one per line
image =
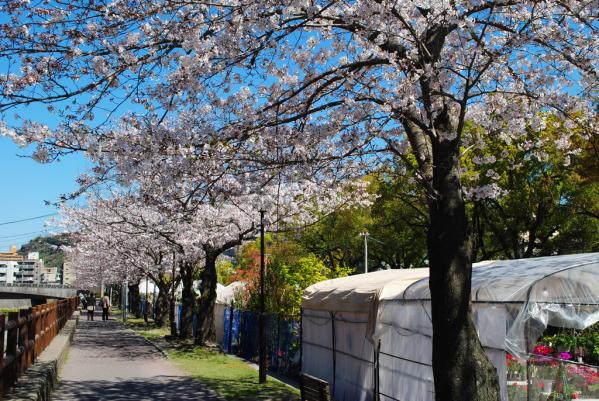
(359, 293)
(226, 295)
(513, 302)
(561, 291)
(337, 325)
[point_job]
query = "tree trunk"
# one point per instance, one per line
(172, 315)
(162, 304)
(134, 299)
(461, 368)
(187, 301)
(206, 331)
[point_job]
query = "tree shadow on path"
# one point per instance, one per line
(159, 388)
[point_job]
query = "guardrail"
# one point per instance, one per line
(31, 285)
(28, 332)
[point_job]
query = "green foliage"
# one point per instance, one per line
(289, 270)
(224, 271)
(399, 223)
(396, 221)
(50, 248)
(584, 343)
(336, 240)
(538, 212)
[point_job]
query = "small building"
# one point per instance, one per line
(7, 271)
(68, 276)
(14, 268)
(49, 275)
(29, 271)
(9, 265)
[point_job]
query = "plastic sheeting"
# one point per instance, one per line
(219, 322)
(513, 302)
(561, 291)
(405, 333)
(336, 349)
(359, 293)
(226, 295)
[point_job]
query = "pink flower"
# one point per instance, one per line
(565, 356)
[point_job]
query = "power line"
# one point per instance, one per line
(28, 219)
(22, 235)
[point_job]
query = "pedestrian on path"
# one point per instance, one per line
(105, 306)
(83, 301)
(91, 306)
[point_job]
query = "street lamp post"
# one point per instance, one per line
(365, 234)
(262, 332)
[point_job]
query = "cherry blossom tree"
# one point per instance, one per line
(289, 83)
(198, 231)
(109, 250)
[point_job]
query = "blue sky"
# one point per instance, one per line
(25, 185)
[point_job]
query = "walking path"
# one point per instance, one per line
(109, 362)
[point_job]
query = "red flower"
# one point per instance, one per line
(541, 349)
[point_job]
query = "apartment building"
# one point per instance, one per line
(14, 268)
(68, 272)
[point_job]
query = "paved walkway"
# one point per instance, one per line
(108, 362)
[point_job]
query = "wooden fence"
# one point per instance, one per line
(28, 332)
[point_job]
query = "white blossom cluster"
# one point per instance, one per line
(276, 103)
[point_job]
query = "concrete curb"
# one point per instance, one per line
(40, 379)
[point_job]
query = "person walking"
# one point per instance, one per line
(83, 301)
(91, 306)
(105, 306)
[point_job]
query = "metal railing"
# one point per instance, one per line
(28, 332)
(36, 285)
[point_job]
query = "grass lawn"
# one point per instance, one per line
(231, 378)
(147, 330)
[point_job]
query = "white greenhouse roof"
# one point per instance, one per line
(570, 279)
(361, 292)
(226, 295)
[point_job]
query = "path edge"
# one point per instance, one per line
(39, 381)
(158, 347)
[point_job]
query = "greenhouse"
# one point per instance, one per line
(369, 335)
(225, 296)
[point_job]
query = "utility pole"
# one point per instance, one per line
(262, 332)
(365, 235)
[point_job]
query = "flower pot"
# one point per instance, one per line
(547, 386)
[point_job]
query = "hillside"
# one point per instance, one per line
(49, 248)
